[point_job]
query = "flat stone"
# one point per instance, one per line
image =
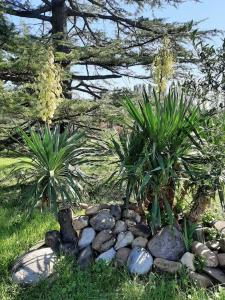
(167, 243)
(34, 266)
(122, 256)
(213, 245)
(132, 215)
(87, 236)
(102, 220)
(221, 258)
(85, 258)
(139, 261)
(168, 266)
(140, 230)
(120, 227)
(124, 239)
(107, 256)
(80, 222)
(202, 281)
(102, 237)
(188, 260)
(216, 274)
(115, 211)
(38, 245)
(222, 244)
(139, 242)
(210, 257)
(92, 210)
(220, 226)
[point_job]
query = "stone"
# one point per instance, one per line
(221, 259)
(130, 223)
(115, 211)
(120, 227)
(213, 245)
(87, 236)
(92, 210)
(220, 226)
(85, 258)
(122, 256)
(139, 261)
(38, 245)
(202, 250)
(107, 256)
(132, 215)
(141, 230)
(168, 266)
(188, 260)
(139, 242)
(124, 239)
(103, 220)
(69, 249)
(202, 281)
(34, 266)
(102, 237)
(108, 244)
(52, 240)
(167, 243)
(80, 222)
(216, 274)
(222, 244)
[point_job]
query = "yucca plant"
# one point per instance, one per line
(50, 171)
(165, 131)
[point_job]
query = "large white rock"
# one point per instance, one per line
(139, 261)
(188, 260)
(34, 266)
(87, 236)
(107, 256)
(124, 239)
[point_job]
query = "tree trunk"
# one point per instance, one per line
(201, 201)
(67, 233)
(59, 30)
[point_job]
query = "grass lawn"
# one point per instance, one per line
(99, 282)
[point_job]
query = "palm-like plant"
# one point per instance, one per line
(165, 131)
(50, 168)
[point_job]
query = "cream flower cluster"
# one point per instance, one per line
(48, 89)
(163, 66)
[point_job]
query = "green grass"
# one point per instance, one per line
(99, 282)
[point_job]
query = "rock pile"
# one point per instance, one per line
(110, 233)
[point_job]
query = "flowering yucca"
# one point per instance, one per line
(48, 89)
(163, 66)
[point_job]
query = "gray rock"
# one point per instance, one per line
(102, 237)
(139, 261)
(168, 266)
(34, 266)
(202, 281)
(139, 242)
(103, 220)
(85, 258)
(140, 230)
(130, 223)
(120, 227)
(220, 226)
(216, 274)
(115, 211)
(222, 245)
(221, 258)
(168, 244)
(122, 256)
(80, 222)
(202, 250)
(213, 245)
(52, 240)
(108, 244)
(188, 260)
(132, 215)
(124, 239)
(107, 256)
(87, 236)
(92, 210)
